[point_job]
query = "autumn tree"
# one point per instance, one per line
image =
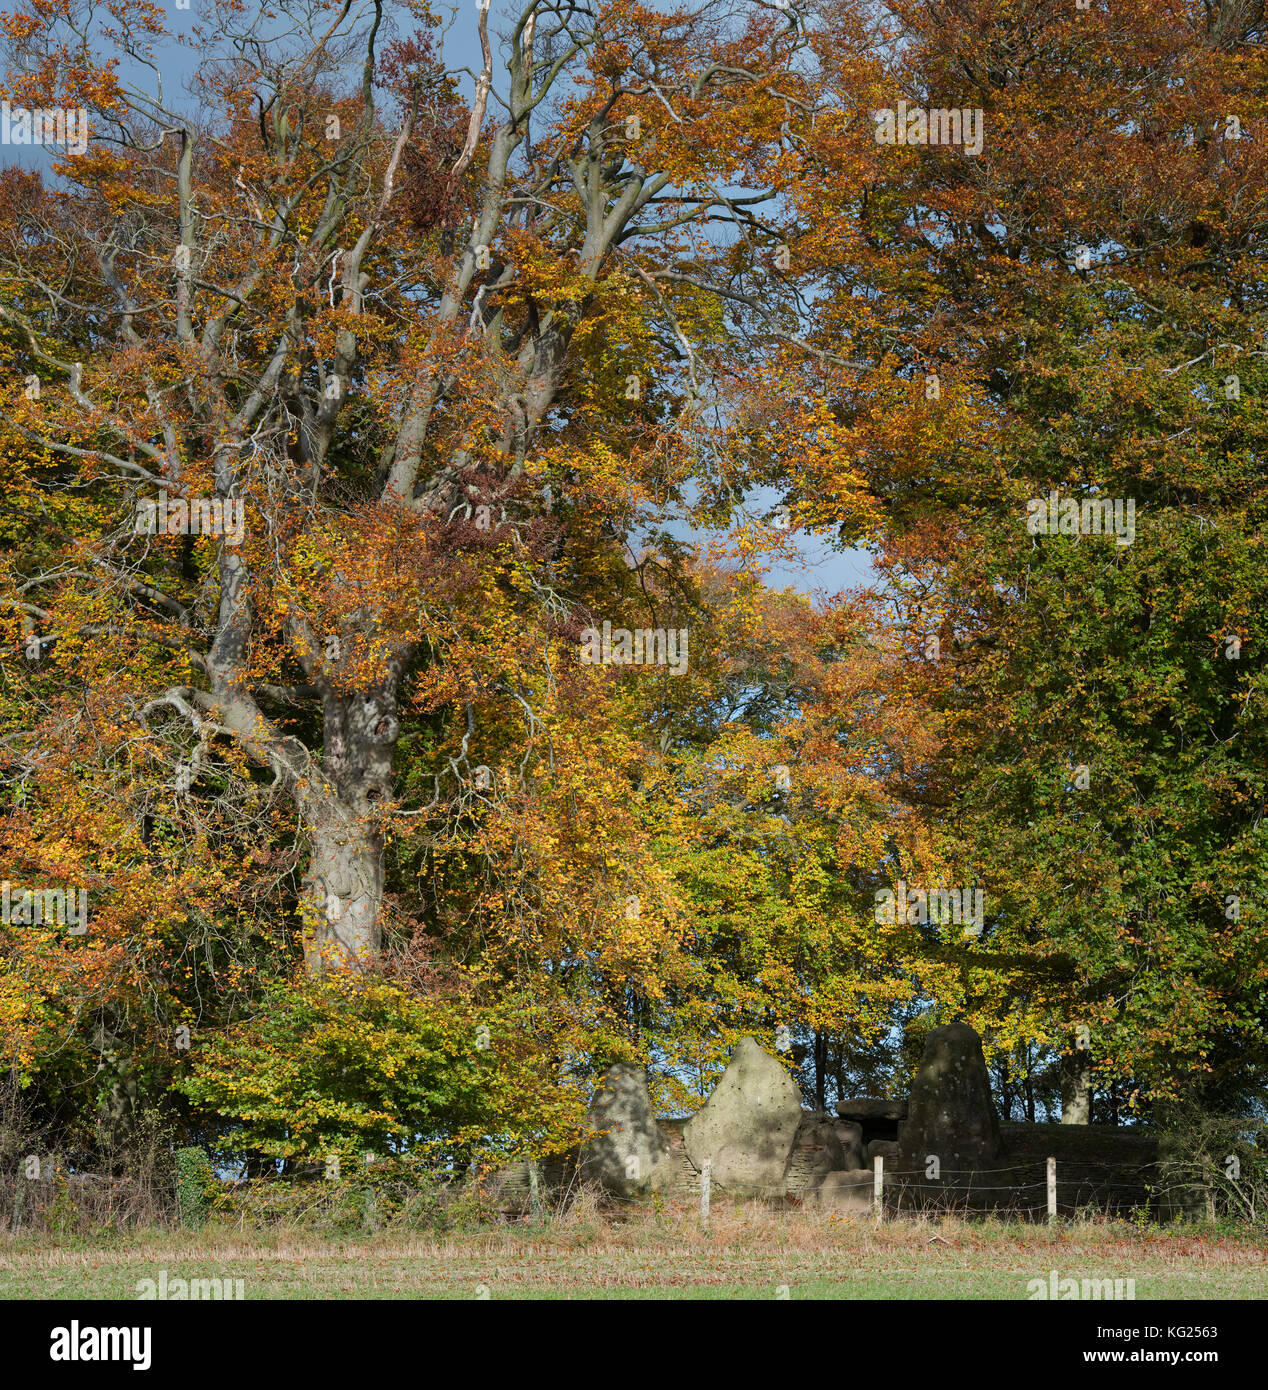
(337, 404)
(1069, 315)
(434, 355)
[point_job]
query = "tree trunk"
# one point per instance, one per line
(344, 883)
(1076, 1088)
(343, 893)
(821, 1066)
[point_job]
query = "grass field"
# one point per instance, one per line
(747, 1253)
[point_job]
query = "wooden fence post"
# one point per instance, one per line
(706, 1180)
(1052, 1190)
(878, 1186)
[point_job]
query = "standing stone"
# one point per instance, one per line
(887, 1148)
(625, 1150)
(748, 1124)
(951, 1114)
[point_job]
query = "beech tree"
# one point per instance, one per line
(439, 353)
(1073, 315)
(348, 396)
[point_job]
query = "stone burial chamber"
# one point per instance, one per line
(879, 1123)
(761, 1142)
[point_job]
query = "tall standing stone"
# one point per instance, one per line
(748, 1124)
(951, 1115)
(625, 1150)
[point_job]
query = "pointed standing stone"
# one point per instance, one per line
(951, 1115)
(748, 1124)
(625, 1151)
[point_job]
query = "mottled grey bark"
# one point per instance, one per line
(1076, 1088)
(344, 885)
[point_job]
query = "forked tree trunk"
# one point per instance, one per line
(341, 794)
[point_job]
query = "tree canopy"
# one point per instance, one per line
(362, 658)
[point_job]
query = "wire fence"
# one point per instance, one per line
(55, 1200)
(1044, 1188)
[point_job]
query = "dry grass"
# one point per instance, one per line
(748, 1251)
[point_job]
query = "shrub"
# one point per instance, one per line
(1214, 1165)
(343, 1063)
(193, 1185)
